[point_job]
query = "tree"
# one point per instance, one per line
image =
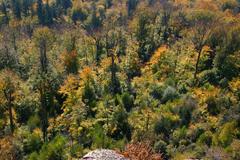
(4, 12)
(108, 3)
(40, 11)
(131, 4)
(132, 62)
(114, 82)
(94, 20)
(26, 5)
(16, 7)
(71, 56)
(99, 48)
(48, 16)
(64, 4)
(43, 40)
(112, 47)
(8, 91)
(202, 22)
(144, 37)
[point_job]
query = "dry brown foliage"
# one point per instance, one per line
(9, 150)
(141, 151)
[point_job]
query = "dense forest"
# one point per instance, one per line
(151, 79)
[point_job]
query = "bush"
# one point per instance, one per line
(128, 101)
(234, 149)
(79, 14)
(179, 135)
(183, 88)
(185, 110)
(229, 4)
(24, 111)
(161, 146)
(224, 102)
(76, 151)
(33, 122)
(32, 143)
(212, 107)
(141, 151)
(209, 76)
(169, 94)
(123, 128)
(54, 150)
(227, 134)
(156, 91)
(10, 150)
(165, 124)
(205, 138)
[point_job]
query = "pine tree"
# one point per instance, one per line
(26, 4)
(16, 7)
(4, 12)
(48, 16)
(43, 40)
(131, 4)
(40, 11)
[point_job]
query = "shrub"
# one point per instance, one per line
(128, 101)
(33, 122)
(229, 4)
(76, 151)
(217, 153)
(24, 111)
(205, 138)
(79, 14)
(55, 149)
(165, 124)
(210, 76)
(224, 102)
(234, 149)
(227, 133)
(185, 110)
(156, 91)
(140, 151)
(123, 128)
(183, 88)
(179, 135)
(161, 146)
(212, 107)
(9, 149)
(169, 94)
(32, 143)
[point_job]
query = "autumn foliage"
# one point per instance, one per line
(141, 151)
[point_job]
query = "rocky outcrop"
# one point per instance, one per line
(103, 154)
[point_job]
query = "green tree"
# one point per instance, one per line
(4, 12)
(131, 4)
(43, 40)
(71, 56)
(48, 16)
(203, 22)
(8, 92)
(40, 12)
(16, 7)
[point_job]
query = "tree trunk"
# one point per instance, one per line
(197, 63)
(43, 113)
(44, 64)
(10, 113)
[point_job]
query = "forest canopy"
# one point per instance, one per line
(161, 77)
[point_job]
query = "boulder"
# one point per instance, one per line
(103, 154)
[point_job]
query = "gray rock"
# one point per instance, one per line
(103, 154)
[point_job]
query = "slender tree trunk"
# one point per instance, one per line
(113, 74)
(10, 113)
(197, 63)
(43, 113)
(44, 63)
